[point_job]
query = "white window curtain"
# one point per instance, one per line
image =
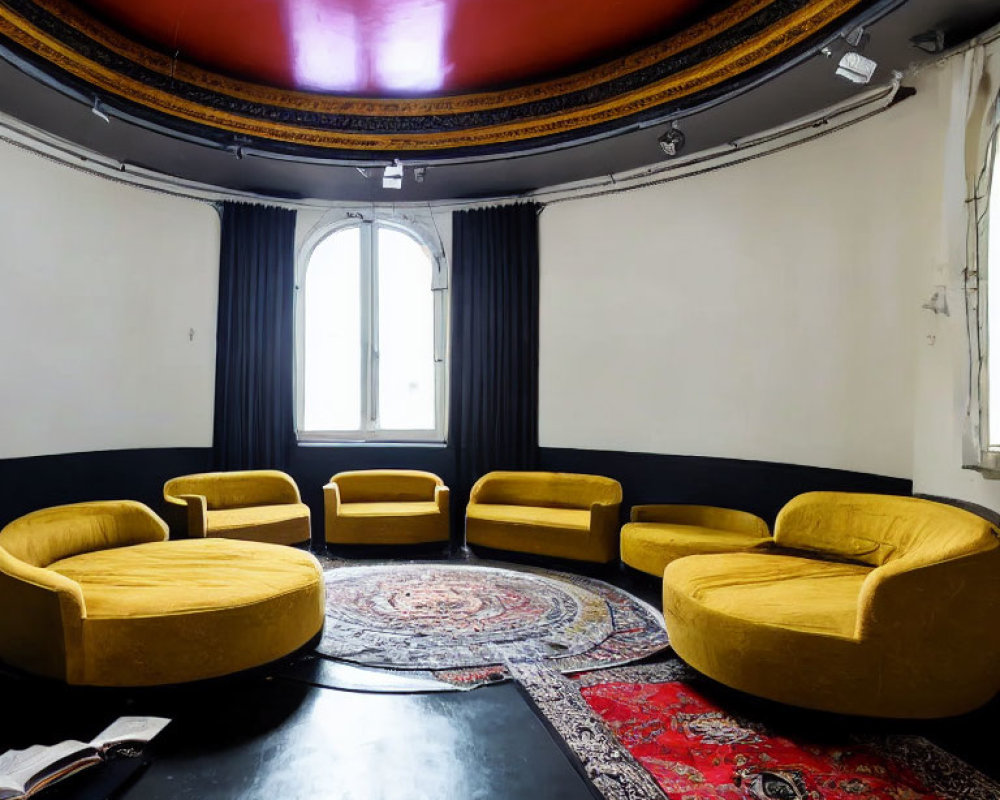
(977, 88)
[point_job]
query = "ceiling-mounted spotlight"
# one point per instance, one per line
(672, 141)
(98, 112)
(392, 178)
(858, 38)
(419, 173)
(856, 67)
(931, 41)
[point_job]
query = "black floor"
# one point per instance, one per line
(275, 734)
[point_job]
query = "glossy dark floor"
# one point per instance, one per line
(283, 732)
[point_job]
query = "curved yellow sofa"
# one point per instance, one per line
(560, 514)
(94, 594)
(659, 534)
(883, 606)
(386, 506)
(261, 505)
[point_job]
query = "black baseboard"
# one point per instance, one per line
(760, 487)
(42, 481)
(757, 486)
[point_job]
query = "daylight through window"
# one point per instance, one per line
(371, 337)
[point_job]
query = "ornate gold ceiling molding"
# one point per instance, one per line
(743, 37)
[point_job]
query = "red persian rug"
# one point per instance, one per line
(647, 732)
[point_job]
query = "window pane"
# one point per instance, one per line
(332, 374)
(405, 333)
(993, 308)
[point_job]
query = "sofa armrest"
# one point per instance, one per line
(43, 623)
(442, 496)
(331, 498)
(197, 515)
(951, 606)
(604, 517)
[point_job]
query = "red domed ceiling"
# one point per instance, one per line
(395, 47)
(405, 78)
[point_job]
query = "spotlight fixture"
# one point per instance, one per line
(856, 67)
(419, 173)
(98, 112)
(858, 38)
(392, 178)
(672, 141)
(931, 41)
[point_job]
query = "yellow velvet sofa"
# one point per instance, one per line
(94, 594)
(386, 506)
(659, 534)
(881, 605)
(260, 505)
(560, 514)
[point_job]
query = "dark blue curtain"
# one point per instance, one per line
(494, 343)
(254, 418)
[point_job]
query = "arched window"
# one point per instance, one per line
(371, 337)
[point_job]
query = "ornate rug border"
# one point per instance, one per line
(619, 776)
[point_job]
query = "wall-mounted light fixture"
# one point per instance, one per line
(672, 141)
(98, 112)
(392, 178)
(856, 67)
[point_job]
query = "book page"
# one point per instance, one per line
(23, 768)
(129, 729)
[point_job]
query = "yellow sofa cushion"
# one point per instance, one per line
(550, 489)
(799, 594)
(395, 509)
(53, 533)
(143, 580)
(877, 529)
(282, 524)
(386, 485)
(170, 612)
(650, 546)
(536, 516)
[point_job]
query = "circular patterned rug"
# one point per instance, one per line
(441, 616)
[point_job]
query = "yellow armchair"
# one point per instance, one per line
(257, 505)
(94, 594)
(879, 605)
(386, 506)
(659, 534)
(559, 514)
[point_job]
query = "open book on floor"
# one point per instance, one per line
(25, 772)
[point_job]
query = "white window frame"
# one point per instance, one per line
(977, 74)
(982, 213)
(370, 431)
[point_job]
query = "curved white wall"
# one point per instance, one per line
(767, 311)
(100, 286)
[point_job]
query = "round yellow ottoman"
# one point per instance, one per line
(105, 600)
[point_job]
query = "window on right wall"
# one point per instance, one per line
(991, 257)
(982, 436)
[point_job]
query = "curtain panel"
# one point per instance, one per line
(254, 417)
(494, 343)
